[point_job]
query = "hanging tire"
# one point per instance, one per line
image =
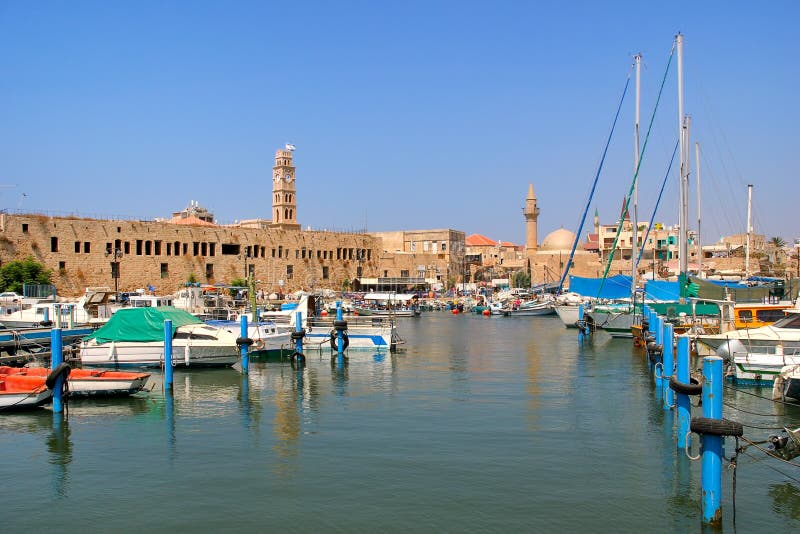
(716, 427)
(334, 341)
(62, 369)
(297, 358)
(695, 387)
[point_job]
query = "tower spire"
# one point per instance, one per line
(531, 212)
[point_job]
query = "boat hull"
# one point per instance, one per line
(137, 354)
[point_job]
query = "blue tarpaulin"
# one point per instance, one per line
(614, 287)
(662, 290)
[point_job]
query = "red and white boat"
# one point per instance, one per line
(88, 381)
(22, 391)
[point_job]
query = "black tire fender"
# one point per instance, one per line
(716, 427)
(62, 369)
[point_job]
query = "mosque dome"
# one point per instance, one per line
(561, 239)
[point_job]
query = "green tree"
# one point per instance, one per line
(237, 282)
(192, 278)
(521, 279)
(777, 242)
(15, 274)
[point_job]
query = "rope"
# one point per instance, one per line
(658, 201)
(770, 453)
(739, 390)
(636, 174)
(749, 412)
(594, 184)
(773, 467)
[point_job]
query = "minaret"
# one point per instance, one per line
(596, 222)
(284, 198)
(531, 212)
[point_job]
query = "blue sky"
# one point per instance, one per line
(405, 115)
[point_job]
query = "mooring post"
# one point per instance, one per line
(168, 355)
(339, 333)
(298, 326)
(581, 323)
(659, 333)
(245, 347)
(46, 316)
(71, 316)
(682, 401)
(711, 445)
(668, 359)
(56, 359)
(57, 313)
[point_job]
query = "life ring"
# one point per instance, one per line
(716, 427)
(258, 344)
(62, 369)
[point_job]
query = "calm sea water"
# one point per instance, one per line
(482, 425)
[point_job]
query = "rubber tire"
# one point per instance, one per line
(298, 334)
(340, 325)
(62, 369)
(334, 341)
(297, 358)
(243, 341)
(695, 387)
(716, 427)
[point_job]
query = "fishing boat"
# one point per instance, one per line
(94, 382)
(134, 337)
(388, 304)
(787, 383)
(21, 392)
(544, 305)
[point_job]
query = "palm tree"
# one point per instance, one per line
(777, 242)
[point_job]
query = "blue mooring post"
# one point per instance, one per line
(298, 326)
(244, 352)
(659, 333)
(339, 334)
(710, 445)
(57, 313)
(56, 358)
(581, 324)
(682, 401)
(668, 360)
(168, 355)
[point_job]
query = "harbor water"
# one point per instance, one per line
(482, 424)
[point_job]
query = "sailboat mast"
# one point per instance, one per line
(749, 230)
(635, 228)
(699, 243)
(684, 170)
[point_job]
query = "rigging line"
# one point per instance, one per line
(726, 212)
(594, 184)
(658, 201)
(734, 407)
(769, 453)
(636, 174)
(771, 467)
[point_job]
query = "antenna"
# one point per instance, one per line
(21, 198)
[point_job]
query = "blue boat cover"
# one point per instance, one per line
(662, 290)
(615, 287)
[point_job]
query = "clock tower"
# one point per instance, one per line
(284, 198)
(531, 212)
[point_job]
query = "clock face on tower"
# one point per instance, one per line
(288, 178)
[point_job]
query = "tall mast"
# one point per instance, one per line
(699, 243)
(635, 230)
(684, 171)
(749, 230)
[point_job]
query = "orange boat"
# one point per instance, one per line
(20, 391)
(86, 381)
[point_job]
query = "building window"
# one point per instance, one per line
(169, 249)
(165, 270)
(325, 274)
(139, 247)
(62, 266)
(53, 244)
(289, 272)
(404, 273)
(359, 272)
(148, 248)
(24, 228)
(87, 247)
(444, 247)
(157, 247)
(209, 271)
(77, 247)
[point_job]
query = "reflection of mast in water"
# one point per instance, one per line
(60, 447)
(339, 374)
(295, 397)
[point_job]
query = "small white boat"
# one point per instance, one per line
(134, 337)
(94, 382)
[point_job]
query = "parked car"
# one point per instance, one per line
(7, 297)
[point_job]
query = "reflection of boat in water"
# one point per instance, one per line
(134, 337)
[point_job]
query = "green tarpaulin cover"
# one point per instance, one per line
(142, 324)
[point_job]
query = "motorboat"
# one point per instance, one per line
(268, 339)
(134, 337)
(91, 308)
(88, 382)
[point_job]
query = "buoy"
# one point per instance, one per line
(487, 312)
(324, 313)
(455, 311)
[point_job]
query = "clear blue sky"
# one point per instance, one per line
(405, 115)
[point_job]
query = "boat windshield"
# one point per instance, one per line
(792, 320)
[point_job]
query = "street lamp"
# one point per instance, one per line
(116, 255)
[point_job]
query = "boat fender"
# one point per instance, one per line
(695, 387)
(240, 341)
(62, 369)
(298, 334)
(45, 323)
(716, 427)
(298, 358)
(258, 344)
(335, 338)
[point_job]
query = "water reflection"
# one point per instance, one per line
(786, 499)
(59, 445)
